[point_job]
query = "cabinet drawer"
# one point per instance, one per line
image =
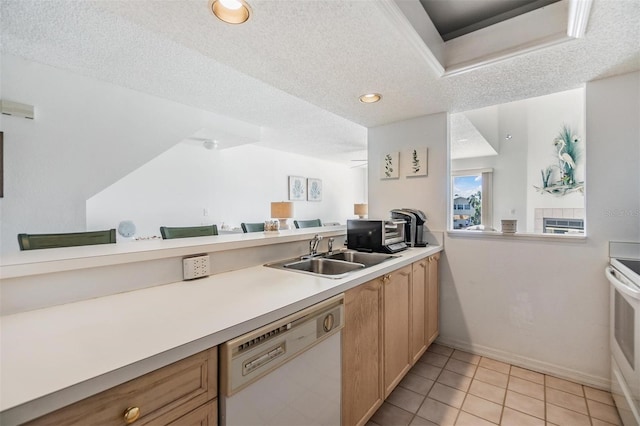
(167, 393)
(206, 415)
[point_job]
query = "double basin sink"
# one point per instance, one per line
(333, 264)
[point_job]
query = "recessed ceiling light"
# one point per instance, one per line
(230, 11)
(370, 98)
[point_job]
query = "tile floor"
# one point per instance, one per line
(451, 387)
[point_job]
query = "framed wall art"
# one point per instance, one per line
(415, 163)
(314, 189)
(297, 188)
(390, 165)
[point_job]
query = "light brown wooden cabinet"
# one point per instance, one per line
(419, 313)
(182, 393)
(389, 324)
(433, 327)
(362, 391)
(396, 306)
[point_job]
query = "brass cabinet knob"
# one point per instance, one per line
(131, 414)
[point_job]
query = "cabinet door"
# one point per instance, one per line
(432, 299)
(397, 359)
(418, 309)
(362, 392)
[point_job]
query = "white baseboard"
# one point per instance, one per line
(529, 363)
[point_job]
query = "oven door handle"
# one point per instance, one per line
(618, 284)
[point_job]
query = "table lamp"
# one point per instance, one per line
(361, 210)
(282, 210)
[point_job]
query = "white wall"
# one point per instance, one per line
(429, 193)
(539, 304)
(565, 108)
(88, 134)
(188, 185)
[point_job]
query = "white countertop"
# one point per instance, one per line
(55, 356)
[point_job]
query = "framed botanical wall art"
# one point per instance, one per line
(415, 163)
(314, 189)
(297, 188)
(390, 165)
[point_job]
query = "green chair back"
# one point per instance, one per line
(188, 231)
(252, 227)
(45, 241)
(307, 223)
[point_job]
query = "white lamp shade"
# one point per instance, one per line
(281, 209)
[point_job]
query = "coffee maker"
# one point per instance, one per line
(414, 227)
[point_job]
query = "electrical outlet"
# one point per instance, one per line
(195, 267)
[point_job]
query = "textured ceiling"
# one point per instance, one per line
(297, 67)
(466, 140)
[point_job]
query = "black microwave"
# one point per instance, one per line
(370, 235)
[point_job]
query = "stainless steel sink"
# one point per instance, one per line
(323, 266)
(332, 265)
(367, 259)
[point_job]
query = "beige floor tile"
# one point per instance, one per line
(598, 395)
(417, 384)
(426, 370)
(438, 413)
(566, 400)
(603, 412)
(466, 419)
(525, 404)
(419, 421)
(434, 359)
(460, 367)
(466, 357)
(439, 349)
(563, 417)
(389, 414)
(482, 408)
(450, 387)
(492, 364)
(454, 380)
(492, 377)
(564, 385)
(405, 399)
(526, 387)
(532, 376)
(447, 395)
(515, 418)
(598, 422)
(487, 391)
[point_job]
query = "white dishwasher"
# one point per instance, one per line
(287, 372)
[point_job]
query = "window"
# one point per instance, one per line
(471, 199)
